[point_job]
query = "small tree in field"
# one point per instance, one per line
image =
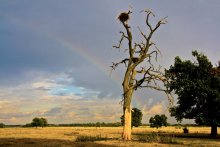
(2, 125)
(136, 117)
(44, 120)
(140, 72)
(197, 85)
(158, 121)
(39, 122)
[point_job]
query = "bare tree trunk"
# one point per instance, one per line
(138, 52)
(128, 93)
(126, 135)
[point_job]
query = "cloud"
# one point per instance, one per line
(60, 56)
(53, 111)
(156, 109)
(41, 97)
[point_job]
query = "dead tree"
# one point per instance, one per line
(140, 72)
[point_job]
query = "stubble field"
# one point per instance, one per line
(104, 136)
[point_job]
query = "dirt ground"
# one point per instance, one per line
(111, 136)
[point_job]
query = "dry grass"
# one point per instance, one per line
(107, 136)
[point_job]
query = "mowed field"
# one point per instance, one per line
(105, 136)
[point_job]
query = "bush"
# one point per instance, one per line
(185, 130)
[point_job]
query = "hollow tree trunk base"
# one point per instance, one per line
(126, 135)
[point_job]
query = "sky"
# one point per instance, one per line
(55, 55)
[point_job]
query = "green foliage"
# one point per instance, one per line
(158, 121)
(197, 85)
(38, 122)
(2, 125)
(28, 125)
(136, 117)
(90, 138)
(98, 124)
(45, 123)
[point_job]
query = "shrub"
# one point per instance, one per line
(185, 130)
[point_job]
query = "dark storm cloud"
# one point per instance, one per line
(33, 36)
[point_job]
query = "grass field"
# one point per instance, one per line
(105, 136)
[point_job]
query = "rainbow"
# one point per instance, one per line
(105, 69)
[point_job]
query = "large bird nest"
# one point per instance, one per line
(123, 17)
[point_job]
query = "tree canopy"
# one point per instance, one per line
(197, 85)
(39, 122)
(2, 125)
(158, 121)
(136, 117)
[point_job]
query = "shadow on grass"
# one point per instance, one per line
(195, 135)
(33, 142)
(158, 138)
(180, 135)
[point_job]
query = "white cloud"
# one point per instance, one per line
(20, 104)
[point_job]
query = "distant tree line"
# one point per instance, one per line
(97, 124)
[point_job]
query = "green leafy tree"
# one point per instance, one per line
(136, 117)
(197, 85)
(158, 121)
(2, 125)
(45, 123)
(39, 122)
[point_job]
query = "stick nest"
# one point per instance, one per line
(123, 17)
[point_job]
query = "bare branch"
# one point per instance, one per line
(121, 40)
(153, 87)
(114, 65)
(142, 33)
(147, 19)
(141, 46)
